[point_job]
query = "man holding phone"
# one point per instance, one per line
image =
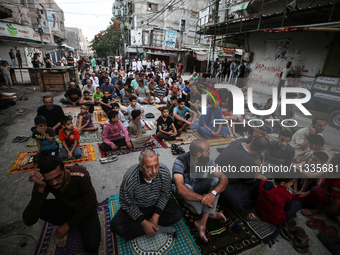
(75, 202)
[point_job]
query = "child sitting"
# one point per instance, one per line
(166, 129)
(228, 116)
(134, 106)
(186, 90)
(70, 139)
(88, 101)
(112, 139)
(106, 102)
(44, 136)
(97, 96)
(135, 130)
(274, 203)
(173, 104)
(84, 120)
(116, 107)
(126, 100)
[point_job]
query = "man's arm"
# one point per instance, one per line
(184, 191)
(165, 191)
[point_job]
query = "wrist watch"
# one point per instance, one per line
(214, 192)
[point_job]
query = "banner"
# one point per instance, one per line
(170, 39)
(29, 53)
(52, 19)
(136, 37)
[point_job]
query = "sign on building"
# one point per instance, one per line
(136, 37)
(170, 39)
(52, 19)
(18, 31)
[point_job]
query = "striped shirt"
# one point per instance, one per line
(136, 193)
(160, 91)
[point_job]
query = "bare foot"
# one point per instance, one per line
(179, 139)
(231, 135)
(123, 147)
(218, 216)
(248, 217)
(61, 242)
(163, 140)
(149, 141)
(201, 231)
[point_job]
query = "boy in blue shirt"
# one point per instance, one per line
(181, 116)
(44, 136)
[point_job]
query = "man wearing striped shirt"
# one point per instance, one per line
(160, 92)
(146, 207)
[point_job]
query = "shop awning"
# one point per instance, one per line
(47, 47)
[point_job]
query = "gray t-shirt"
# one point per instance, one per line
(142, 92)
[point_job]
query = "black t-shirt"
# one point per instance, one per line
(52, 116)
(70, 59)
(172, 65)
(165, 125)
(73, 94)
(35, 62)
(48, 64)
(106, 100)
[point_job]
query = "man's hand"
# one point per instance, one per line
(69, 155)
(149, 228)
(129, 145)
(208, 200)
(41, 130)
(37, 177)
(62, 230)
(154, 220)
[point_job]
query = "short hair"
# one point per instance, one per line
(112, 114)
(49, 163)
(135, 113)
(40, 120)
(173, 98)
(180, 100)
(318, 118)
(260, 143)
(163, 109)
(322, 156)
(87, 106)
(285, 180)
(86, 92)
(196, 146)
(46, 97)
(316, 139)
(146, 154)
(106, 91)
(286, 133)
(115, 105)
(65, 119)
(132, 98)
(226, 106)
(98, 88)
(129, 90)
(186, 82)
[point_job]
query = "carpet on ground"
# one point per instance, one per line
(24, 161)
(108, 245)
(156, 144)
(232, 237)
(159, 244)
(99, 116)
(150, 124)
(214, 140)
(186, 140)
(33, 142)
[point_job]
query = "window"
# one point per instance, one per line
(152, 7)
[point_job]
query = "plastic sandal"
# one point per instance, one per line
(301, 240)
(315, 223)
(23, 139)
(329, 230)
(16, 139)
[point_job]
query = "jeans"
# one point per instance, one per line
(77, 153)
(207, 134)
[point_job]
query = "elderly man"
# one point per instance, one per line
(201, 193)
(160, 92)
(75, 202)
(52, 113)
(175, 92)
(146, 206)
(89, 87)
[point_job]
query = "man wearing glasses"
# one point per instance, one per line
(146, 206)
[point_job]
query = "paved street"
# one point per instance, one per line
(15, 189)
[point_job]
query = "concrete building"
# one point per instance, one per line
(155, 30)
(30, 26)
(76, 39)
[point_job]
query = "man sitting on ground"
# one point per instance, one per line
(145, 203)
(181, 116)
(201, 193)
(75, 202)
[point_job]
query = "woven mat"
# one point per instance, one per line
(213, 141)
(182, 244)
(151, 124)
(187, 138)
(232, 237)
(33, 142)
(99, 116)
(23, 163)
(74, 245)
(156, 144)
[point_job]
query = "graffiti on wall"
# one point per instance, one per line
(281, 50)
(29, 52)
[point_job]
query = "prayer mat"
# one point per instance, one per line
(99, 116)
(186, 140)
(273, 136)
(232, 237)
(151, 124)
(159, 244)
(24, 161)
(74, 245)
(33, 142)
(156, 144)
(213, 141)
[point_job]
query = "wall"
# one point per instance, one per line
(4, 50)
(307, 51)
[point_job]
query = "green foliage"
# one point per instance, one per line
(107, 42)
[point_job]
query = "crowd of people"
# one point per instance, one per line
(145, 192)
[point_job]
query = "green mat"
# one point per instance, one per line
(160, 243)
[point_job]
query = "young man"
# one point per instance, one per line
(143, 93)
(75, 203)
(69, 136)
(181, 116)
(135, 130)
(166, 129)
(106, 102)
(44, 136)
(53, 113)
(106, 86)
(173, 104)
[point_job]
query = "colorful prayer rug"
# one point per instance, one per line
(186, 140)
(151, 124)
(213, 141)
(74, 245)
(24, 161)
(232, 237)
(99, 116)
(156, 144)
(33, 142)
(160, 243)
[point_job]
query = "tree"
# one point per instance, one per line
(107, 42)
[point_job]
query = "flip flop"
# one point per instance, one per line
(329, 230)
(315, 223)
(16, 139)
(23, 139)
(301, 240)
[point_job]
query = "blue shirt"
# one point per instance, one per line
(208, 119)
(181, 113)
(186, 90)
(110, 88)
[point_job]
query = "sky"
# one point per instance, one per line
(90, 16)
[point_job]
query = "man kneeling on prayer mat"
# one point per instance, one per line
(197, 191)
(75, 203)
(145, 203)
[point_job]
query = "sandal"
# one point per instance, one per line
(288, 229)
(16, 139)
(329, 231)
(23, 139)
(315, 223)
(301, 240)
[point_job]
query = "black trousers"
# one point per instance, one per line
(106, 109)
(119, 143)
(123, 225)
(58, 213)
(4, 104)
(167, 137)
(42, 154)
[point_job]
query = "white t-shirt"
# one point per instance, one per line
(285, 72)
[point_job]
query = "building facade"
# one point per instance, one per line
(76, 40)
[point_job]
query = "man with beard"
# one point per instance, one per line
(145, 203)
(73, 95)
(106, 86)
(75, 202)
(201, 193)
(52, 113)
